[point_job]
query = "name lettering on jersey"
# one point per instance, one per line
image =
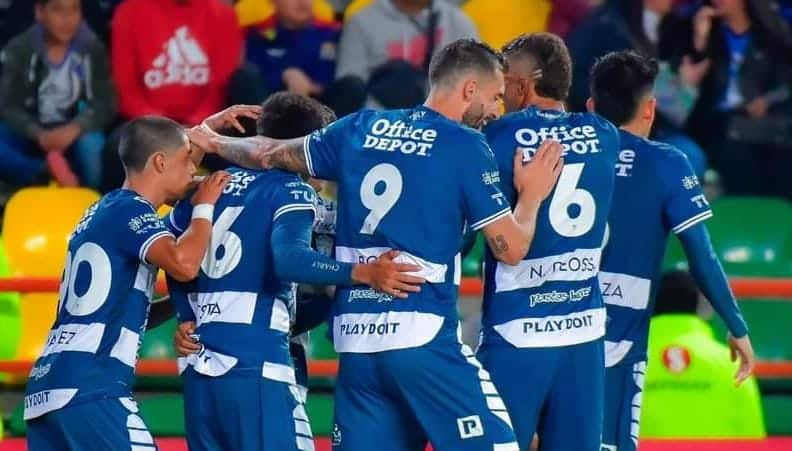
(392, 136)
(85, 220)
(303, 195)
(580, 140)
(555, 325)
(490, 177)
(37, 399)
(206, 310)
(61, 337)
(611, 289)
(624, 166)
(239, 183)
(388, 328)
(332, 267)
(368, 294)
(559, 297)
(700, 200)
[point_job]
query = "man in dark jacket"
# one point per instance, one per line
(56, 96)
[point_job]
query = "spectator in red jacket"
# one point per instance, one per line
(174, 57)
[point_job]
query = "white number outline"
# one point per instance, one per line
(379, 204)
(566, 194)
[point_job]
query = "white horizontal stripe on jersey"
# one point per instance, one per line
(307, 153)
(126, 348)
(280, 319)
(74, 337)
(224, 307)
(376, 332)
(625, 290)
(553, 331)
(278, 372)
(490, 219)
(690, 222)
(432, 272)
(39, 403)
(293, 207)
(580, 264)
(144, 279)
(615, 352)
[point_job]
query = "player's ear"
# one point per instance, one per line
(469, 89)
(649, 108)
(158, 161)
(590, 107)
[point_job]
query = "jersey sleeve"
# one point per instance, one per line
(140, 227)
(322, 148)
(292, 195)
(179, 218)
(483, 200)
(685, 204)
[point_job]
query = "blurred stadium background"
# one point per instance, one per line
(751, 231)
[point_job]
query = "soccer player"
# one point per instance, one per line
(543, 319)
(656, 193)
(410, 180)
(79, 395)
(240, 388)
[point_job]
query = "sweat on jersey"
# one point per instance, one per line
(242, 311)
(410, 180)
(105, 295)
(552, 297)
(656, 193)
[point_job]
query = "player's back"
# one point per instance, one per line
(408, 180)
(551, 298)
(655, 193)
(104, 301)
(243, 311)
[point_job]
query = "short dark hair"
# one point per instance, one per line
(619, 81)
(677, 293)
(142, 137)
(551, 60)
(463, 55)
(286, 115)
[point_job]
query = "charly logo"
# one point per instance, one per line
(336, 435)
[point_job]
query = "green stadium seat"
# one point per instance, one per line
(163, 413)
(472, 263)
(776, 414)
(321, 347)
(752, 237)
(320, 411)
(770, 322)
(158, 344)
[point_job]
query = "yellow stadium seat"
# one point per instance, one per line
(253, 11)
(500, 21)
(38, 314)
(354, 7)
(37, 225)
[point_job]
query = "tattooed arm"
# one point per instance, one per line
(257, 152)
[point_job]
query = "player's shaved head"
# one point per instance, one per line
(463, 57)
(286, 115)
(620, 82)
(147, 135)
(543, 58)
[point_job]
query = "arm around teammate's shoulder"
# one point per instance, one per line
(510, 237)
(181, 258)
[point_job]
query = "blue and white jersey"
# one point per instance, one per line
(103, 306)
(656, 193)
(243, 312)
(407, 180)
(552, 298)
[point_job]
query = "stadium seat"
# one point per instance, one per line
(776, 414)
(321, 346)
(253, 11)
(158, 344)
(10, 321)
(497, 28)
(752, 236)
(472, 263)
(37, 313)
(769, 321)
(163, 413)
(37, 225)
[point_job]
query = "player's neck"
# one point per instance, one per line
(145, 188)
(544, 103)
(445, 106)
(636, 128)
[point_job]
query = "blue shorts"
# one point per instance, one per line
(243, 410)
(623, 393)
(556, 393)
(398, 400)
(111, 423)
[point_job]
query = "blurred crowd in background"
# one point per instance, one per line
(74, 71)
